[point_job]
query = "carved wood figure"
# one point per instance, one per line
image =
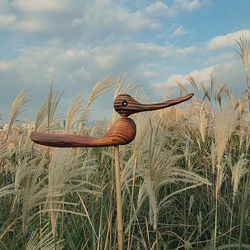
(122, 132)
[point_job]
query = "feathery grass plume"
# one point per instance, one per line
(242, 120)
(213, 156)
(75, 108)
(65, 177)
(52, 103)
(3, 154)
(142, 128)
(218, 93)
(212, 81)
(156, 166)
(199, 219)
(238, 171)
(43, 240)
(45, 118)
(182, 87)
(191, 80)
(248, 139)
(203, 123)
(168, 92)
(191, 201)
(101, 87)
(18, 106)
(6, 190)
(223, 127)
(172, 115)
(206, 93)
(220, 176)
(130, 166)
(41, 115)
(28, 188)
(243, 52)
(187, 153)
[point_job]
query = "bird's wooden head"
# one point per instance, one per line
(125, 105)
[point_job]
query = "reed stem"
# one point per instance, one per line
(118, 199)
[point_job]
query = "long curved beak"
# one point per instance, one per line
(166, 104)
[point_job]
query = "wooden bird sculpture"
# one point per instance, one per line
(122, 132)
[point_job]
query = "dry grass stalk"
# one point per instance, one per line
(75, 108)
(101, 87)
(243, 52)
(224, 126)
(46, 119)
(52, 103)
(44, 241)
(18, 106)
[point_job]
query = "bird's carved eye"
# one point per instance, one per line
(124, 103)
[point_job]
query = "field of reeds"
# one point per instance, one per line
(185, 177)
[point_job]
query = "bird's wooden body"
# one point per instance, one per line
(122, 132)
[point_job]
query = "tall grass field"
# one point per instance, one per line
(185, 177)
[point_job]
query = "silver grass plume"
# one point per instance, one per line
(64, 178)
(223, 127)
(157, 167)
(18, 106)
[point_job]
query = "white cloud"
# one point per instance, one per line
(178, 32)
(77, 21)
(101, 16)
(230, 73)
(199, 75)
(221, 42)
(191, 5)
(36, 66)
(183, 6)
(31, 26)
(84, 20)
(160, 9)
(41, 5)
(81, 42)
(6, 20)
(91, 19)
(187, 50)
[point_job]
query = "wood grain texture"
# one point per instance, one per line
(122, 132)
(125, 105)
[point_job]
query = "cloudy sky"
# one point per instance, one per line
(155, 43)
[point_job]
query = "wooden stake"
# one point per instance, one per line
(118, 199)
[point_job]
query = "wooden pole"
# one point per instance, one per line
(118, 199)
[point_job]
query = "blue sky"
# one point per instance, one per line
(155, 43)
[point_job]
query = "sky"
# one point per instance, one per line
(152, 43)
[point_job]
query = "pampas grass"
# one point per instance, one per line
(18, 106)
(184, 179)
